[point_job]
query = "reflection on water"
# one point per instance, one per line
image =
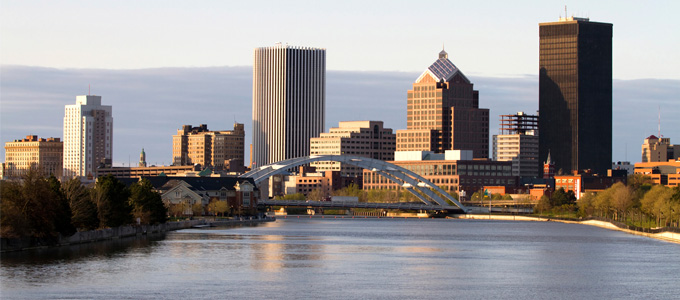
(339, 259)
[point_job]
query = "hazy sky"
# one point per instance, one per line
(162, 64)
(488, 38)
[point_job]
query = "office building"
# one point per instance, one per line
(518, 143)
(662, 172)
(575, 94)
(655, 149)
(42, 155)
(359, 138)
(443, 113)
(88, 137)
(289, 88)
(220, 150)
(453, 171)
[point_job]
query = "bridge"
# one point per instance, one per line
(345, 205)
(433, 197)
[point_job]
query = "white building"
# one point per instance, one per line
(88, 136)
(289, 91)
(359, 138)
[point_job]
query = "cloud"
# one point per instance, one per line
(149, 105)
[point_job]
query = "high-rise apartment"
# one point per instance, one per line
(289, 88)
(221, 150)
(88, 136)
(575, 94)
(42, 155)
(359, 138)
(443, 113)
(518, 143)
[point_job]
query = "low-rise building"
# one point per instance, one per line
(241, 194)
(453, 171)
(588, 182)
(41, 154)
(138, 172)
(307, 180)
(666, 173)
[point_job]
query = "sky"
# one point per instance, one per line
(162, 64)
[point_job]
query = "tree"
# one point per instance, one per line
(83, 209)
(622, 199)
(656, 202)
(62, 221)
(178, 209)
(197, 209)
(315, 195)
(111, 197)
(585, 205)
(29, 208)
(147, 204)
(543, 204)
(221, 207)
(507, 197)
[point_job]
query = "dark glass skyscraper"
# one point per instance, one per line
(575, 94)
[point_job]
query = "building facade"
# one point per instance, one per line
(453, 171)
(518, 143)
(656, 149)
(88, 137)
(221, 150)
(289, 92)
(43, 155)
(443, 113)
(575, 94)
(360, 138)
(666, 173)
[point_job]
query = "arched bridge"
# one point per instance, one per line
(423, 189)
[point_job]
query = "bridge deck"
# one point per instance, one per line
(337, 204)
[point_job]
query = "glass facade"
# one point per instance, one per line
(575, 94)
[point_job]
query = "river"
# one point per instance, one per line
(356, 259)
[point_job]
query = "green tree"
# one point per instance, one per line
(84, 210)
(147, 204)
(113, 206)
(29, 208)
(656, 203)
(585, 205)
(62, 221)
(543, 204)
(560, 197)
(507, 197)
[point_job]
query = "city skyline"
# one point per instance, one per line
(497, 39)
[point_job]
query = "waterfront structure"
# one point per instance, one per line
(221, 150)
(579, 183)
(88, 137)
(443, 113)
(666, 173)
(453, 171)
(240, 193)
(655, 149)
(575, 94)
(41, 154)
(359, 138)
(289, 90)
(518, 143)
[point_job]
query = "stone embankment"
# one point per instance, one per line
(666, 236)
(18, 244)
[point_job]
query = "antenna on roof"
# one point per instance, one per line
(660, 122)
(88, 89)
(565, 12)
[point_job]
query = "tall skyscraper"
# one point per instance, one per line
(88, 136)
(443, 113)
(289, 92)
(575, 94)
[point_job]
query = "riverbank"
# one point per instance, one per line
(82, 237)
(665, 236)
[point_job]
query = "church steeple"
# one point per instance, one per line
(142, 159)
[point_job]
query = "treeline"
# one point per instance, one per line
(640, 203)
(44, 207)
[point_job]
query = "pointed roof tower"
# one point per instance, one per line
(442, 69)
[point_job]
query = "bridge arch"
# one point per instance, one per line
(414, 183)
